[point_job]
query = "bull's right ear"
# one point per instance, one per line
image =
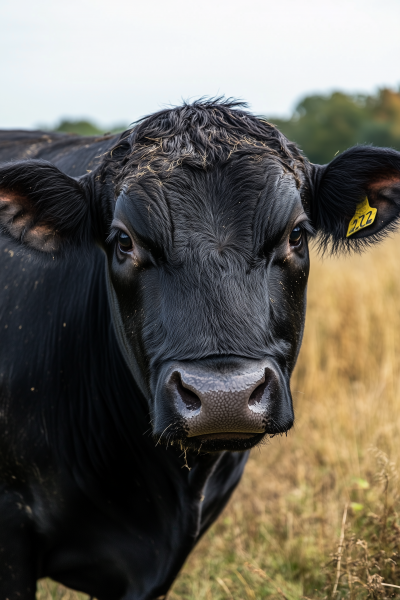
(355, 199)
(44, 209)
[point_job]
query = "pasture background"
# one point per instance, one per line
(283, 523)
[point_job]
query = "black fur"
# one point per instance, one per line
(94, 486)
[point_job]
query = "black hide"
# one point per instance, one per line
(178, 247)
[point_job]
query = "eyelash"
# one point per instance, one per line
(307, 228)
(112, 236)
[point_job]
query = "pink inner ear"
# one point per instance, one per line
(42, 237)
(376, 193)
(8, 196)
(14, 198)
(11, 204)
(383, 182)
(16, 215)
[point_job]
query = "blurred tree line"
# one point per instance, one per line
(83, 127)
(322, 125)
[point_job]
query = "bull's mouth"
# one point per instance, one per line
(218, 442)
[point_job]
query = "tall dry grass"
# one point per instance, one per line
(284, 534)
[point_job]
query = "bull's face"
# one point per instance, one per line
(207, 259)
(208, 274)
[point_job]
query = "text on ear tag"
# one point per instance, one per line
(364, 216)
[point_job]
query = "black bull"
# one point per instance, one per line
(153, 295)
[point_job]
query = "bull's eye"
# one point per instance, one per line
(296, 236)
(124, 242)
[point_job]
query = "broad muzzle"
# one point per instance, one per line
(215, 397)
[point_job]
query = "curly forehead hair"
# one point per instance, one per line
(201, 135)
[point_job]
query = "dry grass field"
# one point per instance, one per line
(315, 515)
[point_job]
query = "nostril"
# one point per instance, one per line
(258, 398)
(191, 400)
(257, 394)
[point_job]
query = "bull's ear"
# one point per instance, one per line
(42, 208)
(339, 193)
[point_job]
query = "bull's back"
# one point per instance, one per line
(73, 154)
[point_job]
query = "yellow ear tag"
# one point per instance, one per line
(364, 216)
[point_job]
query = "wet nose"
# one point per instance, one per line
(223, 400)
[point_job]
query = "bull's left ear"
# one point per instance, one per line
(44, 209)
(339, 190)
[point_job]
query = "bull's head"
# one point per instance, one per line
(204, 214)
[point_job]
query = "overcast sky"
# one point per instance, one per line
(114, 61)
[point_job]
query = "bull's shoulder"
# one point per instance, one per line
(73, 154)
